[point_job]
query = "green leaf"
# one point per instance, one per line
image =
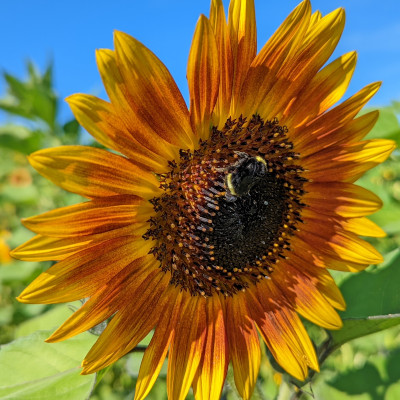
(375, 291)
(354, 328)
(32, 369)
(358, 381)
(48, 320)
(387, 126)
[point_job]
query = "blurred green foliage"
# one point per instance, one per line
(366, 368)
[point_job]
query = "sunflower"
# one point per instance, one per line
(216, 224)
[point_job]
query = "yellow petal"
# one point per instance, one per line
(186, 348)
(308, 301)
(107, 300)
(352, 131)
(83, 273)
(340, 198)
(101, 120)
(316, 48)
(154, 97)
(282, 330)
(363, 227)
(203, 77)
(96, 216)
(156, 351)
(225, 58)
(323, 91)
(273, 57)
(93, 172)
(209, 379)
(244, 346)
(130, 324)
(243, 37)
(347, 162)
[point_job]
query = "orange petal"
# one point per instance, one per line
(282, 330)
(210, 376)
(130, 325)
(203, 77)
(107, 300)
(274, 56)
(343, 246)
(333, 119)
(154, 98)
(244, 346)
(324, 90)
(323, 259)
(225, 58)
(186, 348)
(302, 292)
(156, 351)
(42, 248)
(83, 273)
(339, 198)
(316, 48)
(243, 38)
(352, 131)
(363, 227)
(96, 216)
(347, 162)
(322, 280)
(101, 120)
(93, 172)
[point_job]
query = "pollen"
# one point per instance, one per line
(226, 216)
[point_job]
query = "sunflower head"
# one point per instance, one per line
(215, 224)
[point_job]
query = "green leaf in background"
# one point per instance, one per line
(374, 292)
(387, 126)
(31, 369)
(354, 328)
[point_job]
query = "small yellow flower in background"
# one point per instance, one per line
(4, 248)
(217, 223)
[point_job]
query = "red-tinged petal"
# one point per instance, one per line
(323, 91)
(244, 346)
(322, 280)
(350, 132)
(339, 198)
(93, 172)
(203, 77)
(156, 102)
(210, 376)
(83, 273)
(107, 300)
(43, 248)
(243, 38)
(225, 58)
(93, 217)
(308, 301)
(274, 56)
(156, 351)
(130, 325)
(317, 46)
(324, 259)
(347, 162)
(333, 119)
(343, 246)
(110, 128)
(186, 348)
(282, 330)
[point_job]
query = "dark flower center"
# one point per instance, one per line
(229, 208)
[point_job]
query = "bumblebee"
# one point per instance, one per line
(244, 174)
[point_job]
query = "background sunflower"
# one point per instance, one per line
(371, 284)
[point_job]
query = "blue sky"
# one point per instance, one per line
(69, 32)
